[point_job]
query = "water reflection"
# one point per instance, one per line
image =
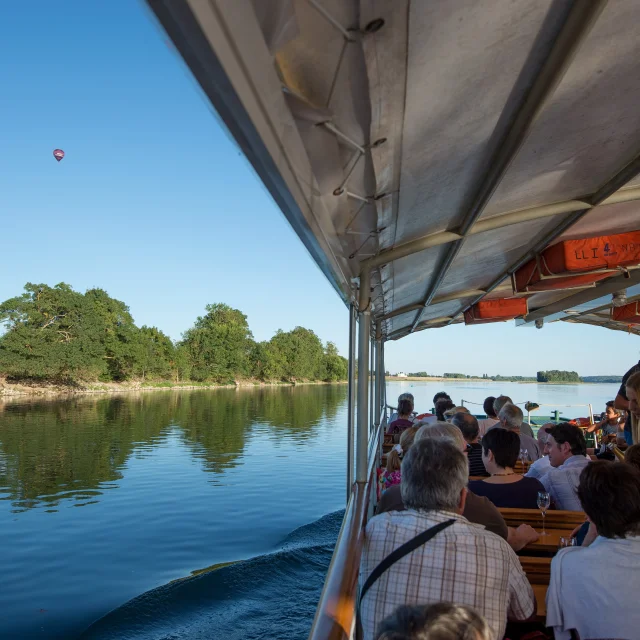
(75, 449)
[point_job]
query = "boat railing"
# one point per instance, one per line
(335, 615)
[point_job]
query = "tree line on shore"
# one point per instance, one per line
(56, 334)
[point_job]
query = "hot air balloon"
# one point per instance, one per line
(58, 154)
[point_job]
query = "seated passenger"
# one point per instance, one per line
(632, 455)
(468, 426)
(391, 474)
(449, 413)
(611, 424)
(477, 509)
(505, 488)
(402, 396)
(404, 419)
(491, 420)
(567, 450)
(441, 406)
(594, 589)
(441, 621)
(462, 563)
(633, 393)
(511, 419)
(499, 402)
(441, 395)
(541, 465)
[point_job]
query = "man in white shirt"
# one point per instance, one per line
(567, 451)
(594, 590)
(542, 465)
(463, 563)
(511, 418)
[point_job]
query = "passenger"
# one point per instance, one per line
(477, 509)
(468, 426)
(511, 418)
(622, 402)
(404, 419)
(633, 393)
(611, 423)
(441, 406)
(440, 621)
(441, 395)
(449, 413)
(402, 396)
(567, 450)
(391, 475)
(632, 455)
(594, 589)
(505, 488)
(499, 402)
(463, 563)
(541, 465)
(491, 420)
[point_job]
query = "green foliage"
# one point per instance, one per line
(454, 375)
(614, 379)
(55, 334)
(419, 374)
(219, 344)
(558, 376)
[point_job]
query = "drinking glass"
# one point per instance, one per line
(525, 459)
(544, 500)
(566, 542)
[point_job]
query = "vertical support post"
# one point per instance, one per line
(351, 418)
(364, 319)
(378, 389)
(372, 373)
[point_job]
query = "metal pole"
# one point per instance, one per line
(351, 418)
(364, 318)
(378, 390)
(372, 373)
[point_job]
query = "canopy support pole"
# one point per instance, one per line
(364, 322)
(378, 363)
(351, 418)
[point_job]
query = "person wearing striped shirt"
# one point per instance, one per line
(468, 425)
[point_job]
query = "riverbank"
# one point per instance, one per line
(17, 390)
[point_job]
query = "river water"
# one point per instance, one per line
(107, 503)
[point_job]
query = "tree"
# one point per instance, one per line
(336, 367)
(558, 376)
(155, 354)
(218, 345)
(51, 333)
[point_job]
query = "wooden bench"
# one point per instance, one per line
(555, 519)
(538, 570)
(549, 543)
(540, 592)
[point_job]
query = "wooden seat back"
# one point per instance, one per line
(538, 570)
(555, 519)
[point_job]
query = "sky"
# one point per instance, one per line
(154, 202)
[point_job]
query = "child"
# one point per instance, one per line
(391, 475)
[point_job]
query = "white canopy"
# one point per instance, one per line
(440, 143)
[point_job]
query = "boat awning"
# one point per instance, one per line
(439, 145)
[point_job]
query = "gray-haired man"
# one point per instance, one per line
(463, 563)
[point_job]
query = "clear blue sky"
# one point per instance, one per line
(156, 205)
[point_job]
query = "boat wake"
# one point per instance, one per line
(270, 596)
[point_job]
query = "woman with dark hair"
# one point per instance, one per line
(443, 405)
(404, 419)
(504, 487)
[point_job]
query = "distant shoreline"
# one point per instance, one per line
(443, 379)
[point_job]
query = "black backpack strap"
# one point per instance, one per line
(401, 552)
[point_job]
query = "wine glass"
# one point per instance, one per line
(566, 542)
(544, 500)
(524, 456)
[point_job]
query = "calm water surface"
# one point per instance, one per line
(103, 499)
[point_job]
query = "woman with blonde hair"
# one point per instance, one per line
(391, 475)
(633, 394)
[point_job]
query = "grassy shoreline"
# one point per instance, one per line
(52, 391)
